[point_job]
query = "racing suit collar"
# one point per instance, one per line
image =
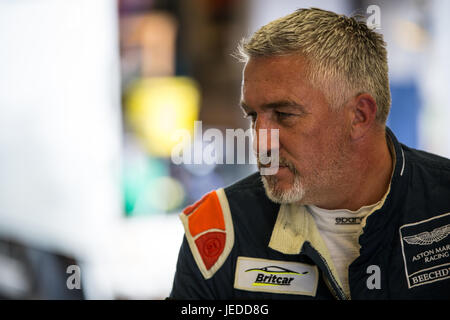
(384, 217)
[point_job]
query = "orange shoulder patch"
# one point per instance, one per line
(205, 214)
(209, 231)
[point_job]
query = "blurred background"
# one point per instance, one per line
(91, 93)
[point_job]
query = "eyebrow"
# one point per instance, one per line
(275, 104)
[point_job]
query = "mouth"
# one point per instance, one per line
(284, 168)
(283, 171)
(269, 166)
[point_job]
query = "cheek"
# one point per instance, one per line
(311, 152)
(300, 150)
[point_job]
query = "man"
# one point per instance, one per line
(351, 212)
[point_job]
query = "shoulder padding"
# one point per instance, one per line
(209, 231)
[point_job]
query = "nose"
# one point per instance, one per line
(266, 136)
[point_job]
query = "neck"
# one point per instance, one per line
(369, 174)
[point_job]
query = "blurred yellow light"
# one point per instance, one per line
(157, 107)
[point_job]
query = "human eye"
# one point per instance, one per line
(283, 115)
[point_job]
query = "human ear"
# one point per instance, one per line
(364, 111)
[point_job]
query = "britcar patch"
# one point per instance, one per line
(253, 274)
(426, 250)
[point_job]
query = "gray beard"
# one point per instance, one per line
(292, 195)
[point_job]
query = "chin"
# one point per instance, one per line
(282, 192)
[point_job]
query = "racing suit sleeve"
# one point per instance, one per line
(189, 283)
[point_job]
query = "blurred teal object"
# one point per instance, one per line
(138, 179)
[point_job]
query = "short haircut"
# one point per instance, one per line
(344, 56)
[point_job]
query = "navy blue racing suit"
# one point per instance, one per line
(240, 245)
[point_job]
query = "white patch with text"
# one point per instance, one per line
(261, 275)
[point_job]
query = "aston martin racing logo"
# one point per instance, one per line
(425, 248)
(274, 276)
(427, 238)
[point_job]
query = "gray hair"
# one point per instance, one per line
(344, 56)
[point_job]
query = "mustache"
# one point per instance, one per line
(282, 162)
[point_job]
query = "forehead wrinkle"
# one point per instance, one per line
(278, 79)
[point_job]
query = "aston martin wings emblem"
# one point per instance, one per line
(427, 238)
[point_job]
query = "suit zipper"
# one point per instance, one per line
(334, 287)
(330, 287)
(339, 294)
